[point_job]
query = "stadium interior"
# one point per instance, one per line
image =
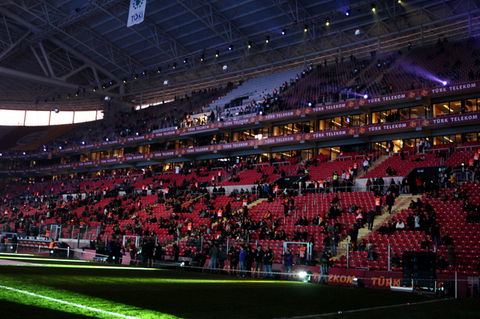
(344, 128)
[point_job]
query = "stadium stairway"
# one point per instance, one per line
(376, 163)
(401, 203)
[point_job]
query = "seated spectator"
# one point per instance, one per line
(446, 240)
(396, 261)
(425, 243)
(400, 225)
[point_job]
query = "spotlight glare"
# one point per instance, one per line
(373, 8)
(302, 274)
(347, 13)
(249, 44)
(217, 54)
(267, 39)
(365, 96)
(444, 83)
(284, 32)
(327, 22)
(305, 29)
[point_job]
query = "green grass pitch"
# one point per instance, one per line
(55, 289)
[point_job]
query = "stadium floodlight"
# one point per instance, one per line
(305, 29)
(374, 7)
(249, 44)
(267, 39)
(355, 282)
(347, 13)
(284, 31)
(444, 83)
(327, 22)
(305, 276)
(365, 96)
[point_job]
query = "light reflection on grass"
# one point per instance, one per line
(65, 301)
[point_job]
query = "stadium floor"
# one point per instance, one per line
(65, 289)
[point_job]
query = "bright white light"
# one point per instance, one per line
(165, 82)
(225, 67)
(444, 82)
(365, 96)
(310, 104)
(302, 274)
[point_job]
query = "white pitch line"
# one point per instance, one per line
(365, 309)
(69, 303)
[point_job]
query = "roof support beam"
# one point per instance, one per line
(39, 61)
(47, 60)
(12, 46)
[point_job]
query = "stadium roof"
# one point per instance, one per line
(52, 48)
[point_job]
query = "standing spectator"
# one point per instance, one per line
(323, 268)
(221, 258)
(14, 243)
(334, 243)
(250, 261)
(371, 218)
(366, 165)
(353, 234)
(451, 255)
(267, 261)
(234, 257)
(150, 248)
(214, 253)
(288, 262)
(390, 201)
(259, 253)
(242, 258)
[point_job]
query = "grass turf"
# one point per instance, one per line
(183, 294)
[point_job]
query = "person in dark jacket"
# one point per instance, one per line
(268, 261)
(233, 257)
(371, 218)
(258, 257)
(390, 201)
(288, 262)
(214, 253)
(149, 250)
(250, 260)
